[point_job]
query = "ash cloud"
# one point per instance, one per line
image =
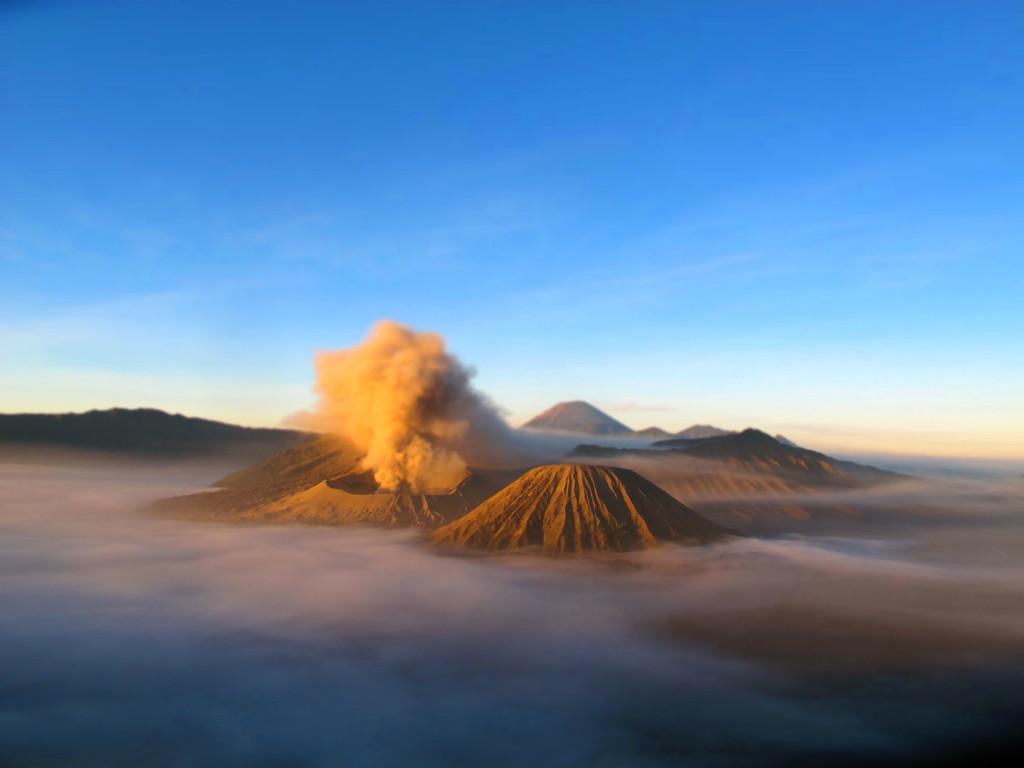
(133, 641)
(408, 403)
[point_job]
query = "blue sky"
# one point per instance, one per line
(801, 215)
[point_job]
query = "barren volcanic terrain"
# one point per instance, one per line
(572, 508)
(323, 483)
(748, 476)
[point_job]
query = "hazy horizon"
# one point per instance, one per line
(908, 461)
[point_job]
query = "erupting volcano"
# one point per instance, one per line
(408, 406)
(323, 483)
(403, 428)
(401, 422)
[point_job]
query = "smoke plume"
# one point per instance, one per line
(404, 400)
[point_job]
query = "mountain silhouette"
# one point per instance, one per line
(144, 431)
(701, 431)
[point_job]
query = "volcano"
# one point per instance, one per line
(322, 483)
(580, 417)
(565, 508)
(356, 500)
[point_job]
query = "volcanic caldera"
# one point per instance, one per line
(324, 483)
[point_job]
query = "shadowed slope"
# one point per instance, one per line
(325, 457)
(753, 449)
(288, 472)
(574, 508)
(756, 453)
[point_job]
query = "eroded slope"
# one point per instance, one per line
(572, 508)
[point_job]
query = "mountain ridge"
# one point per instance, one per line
(701, 431)
(748, 476)
(146, 431)
(755, 451)
(580, 417)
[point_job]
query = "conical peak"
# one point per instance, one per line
(563, 508)
(578, 416)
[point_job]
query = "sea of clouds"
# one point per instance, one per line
(130, 640)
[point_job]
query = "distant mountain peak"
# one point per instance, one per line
(580, 417)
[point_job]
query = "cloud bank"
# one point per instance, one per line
(135, 641)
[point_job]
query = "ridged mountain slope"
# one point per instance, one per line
(565, 508)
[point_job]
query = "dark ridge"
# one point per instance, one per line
(747, 440)
(701, 431)
(140, 430)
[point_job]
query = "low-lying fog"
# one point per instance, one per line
(129, 640)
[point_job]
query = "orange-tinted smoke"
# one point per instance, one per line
(404, 400)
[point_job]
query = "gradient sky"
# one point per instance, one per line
(806, 216)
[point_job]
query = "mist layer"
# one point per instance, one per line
(135, 641)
